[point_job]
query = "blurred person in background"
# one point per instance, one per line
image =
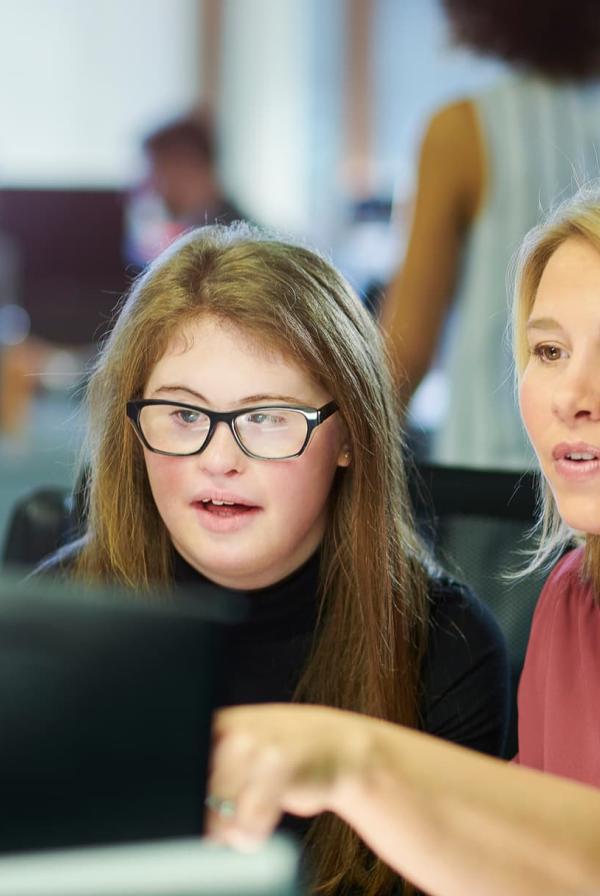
(183, 188)
(489, 167)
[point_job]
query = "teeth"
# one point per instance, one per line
(577, 455)
(217, 503)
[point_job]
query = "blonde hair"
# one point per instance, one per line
(576, 218)
(371, 640)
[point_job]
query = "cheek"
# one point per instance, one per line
(165, 478)
(530, 405)
(290, 480)
(302, 487)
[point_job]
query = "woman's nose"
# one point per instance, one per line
(577, 395)
(222, 455)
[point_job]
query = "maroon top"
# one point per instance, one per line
(559, 693)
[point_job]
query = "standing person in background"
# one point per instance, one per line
(455, 823)
(489, 167)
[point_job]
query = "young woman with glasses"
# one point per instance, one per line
(243, 430)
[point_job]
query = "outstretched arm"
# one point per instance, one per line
(450, 820)
(449, 189)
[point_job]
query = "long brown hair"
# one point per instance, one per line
(577, 217)
(367, 656)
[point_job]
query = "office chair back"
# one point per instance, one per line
(42, 521)
(478, 524)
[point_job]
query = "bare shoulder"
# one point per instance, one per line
(454, 124)
(452, 154)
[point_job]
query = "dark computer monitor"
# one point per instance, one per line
(105, 712)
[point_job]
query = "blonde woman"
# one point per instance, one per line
(453, 822)
(242, 430)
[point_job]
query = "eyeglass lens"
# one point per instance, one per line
(267, 432)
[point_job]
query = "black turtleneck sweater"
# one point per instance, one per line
(465, 672)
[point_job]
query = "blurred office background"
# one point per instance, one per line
(317, 108)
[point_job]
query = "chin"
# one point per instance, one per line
(582, 516)
(236, 571)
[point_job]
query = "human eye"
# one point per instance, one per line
(547, 352)
(188, 417)
(266, 418)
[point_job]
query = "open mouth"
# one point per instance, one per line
(223, 508)
(577, 462)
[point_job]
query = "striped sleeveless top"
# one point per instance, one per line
(541, 141)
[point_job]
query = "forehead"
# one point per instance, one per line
(216, 355)
(207, 334)
(571, 276)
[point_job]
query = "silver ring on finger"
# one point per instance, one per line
(223, 806)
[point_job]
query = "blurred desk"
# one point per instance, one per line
(187, 867)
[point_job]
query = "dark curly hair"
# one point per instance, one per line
(560, 40)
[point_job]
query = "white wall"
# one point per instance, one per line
(83, 79)
(280, 110)
(264, 107)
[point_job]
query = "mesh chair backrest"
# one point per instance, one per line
(478, 524)
(39, 524)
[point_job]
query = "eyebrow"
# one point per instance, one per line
(247, 399)
(543, 323)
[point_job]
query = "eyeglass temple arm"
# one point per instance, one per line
(327, 410)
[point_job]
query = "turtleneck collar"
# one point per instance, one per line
(288, 607)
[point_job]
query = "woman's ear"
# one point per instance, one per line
(344, 457)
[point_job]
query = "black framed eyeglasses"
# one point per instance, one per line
(264, 432)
